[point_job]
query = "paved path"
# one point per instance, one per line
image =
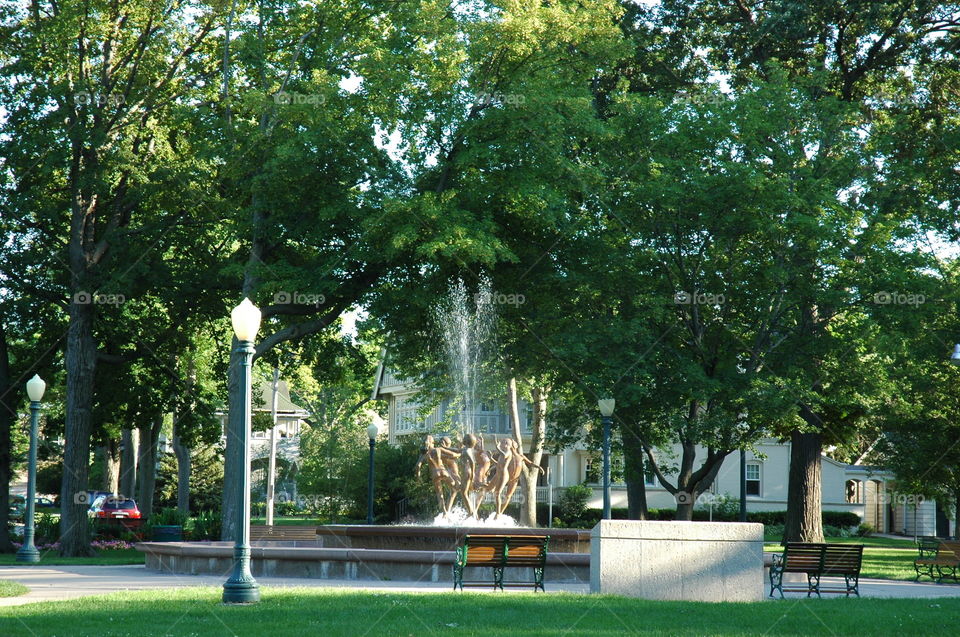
(50, 583)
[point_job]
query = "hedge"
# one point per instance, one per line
(841, 519)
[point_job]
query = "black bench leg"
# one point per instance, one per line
(813, 584)
(776, 581)
(538, 580)
(498, 577)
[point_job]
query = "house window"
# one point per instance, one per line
(408, 415)
(753, 478)
(649, 477)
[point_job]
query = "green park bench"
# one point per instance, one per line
(499, 552)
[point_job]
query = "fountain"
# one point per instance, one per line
(464, 470)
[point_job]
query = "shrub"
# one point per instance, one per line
(573, 502)
(206, 525)
(283, 507)
(168, 517)
(842, 519)
(865, 530)
(46, 527)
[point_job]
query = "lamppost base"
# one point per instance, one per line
(241, 592)
(28, 555)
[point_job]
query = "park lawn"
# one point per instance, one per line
(103, 558)
(883, 558)
(332, 612)
(12, 589)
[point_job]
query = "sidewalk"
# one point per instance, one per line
(55, 583)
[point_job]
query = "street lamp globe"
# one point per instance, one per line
(606, 406)
(35, 388)
(246, 321)
(373, 431)
(955, 357)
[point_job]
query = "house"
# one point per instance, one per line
(867, 491)
(290, 420)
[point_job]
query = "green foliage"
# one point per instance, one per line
(46, 528)
(865, 530)
(49, 477)
(206, 480)
(572, 504)
(168, 516)
(205, 525)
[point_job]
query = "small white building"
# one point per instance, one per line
(290, 420)
(866, 491)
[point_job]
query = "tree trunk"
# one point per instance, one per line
(183, 473)
(233, 454)
(129, 444)
(111, 466)
(81, 363)
(804, 522)
(634, 475)
(149, 439)
(539, 433)
(8, 418)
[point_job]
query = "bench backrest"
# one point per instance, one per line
(527, 550)
(949, 548)
(842, 559)
(504, 550)
(483, 550)
(802, 557)
(828, 559)
(928, 546)
(263, 532)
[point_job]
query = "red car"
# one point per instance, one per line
(109, 507)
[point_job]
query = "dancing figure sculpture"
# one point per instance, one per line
(510, 462)
(438, 459)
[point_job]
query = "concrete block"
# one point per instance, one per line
(690, 561)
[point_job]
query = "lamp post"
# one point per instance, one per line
(241, 588)
(606, 406)
(372, 432)
(743, 428)
(28, 553)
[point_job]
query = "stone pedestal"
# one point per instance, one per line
(690, 561)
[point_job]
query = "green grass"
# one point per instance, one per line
(12, 589)
(883, 558)
(296, 612)
(104, 558)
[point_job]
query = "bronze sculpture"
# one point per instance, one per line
(472, 472)
(437, 458)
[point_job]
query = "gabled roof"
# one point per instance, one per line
(263, 397)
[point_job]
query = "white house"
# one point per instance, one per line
(866, 491)
(290, 420)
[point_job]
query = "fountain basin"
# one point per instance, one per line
(438, 538)
(298, 559)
